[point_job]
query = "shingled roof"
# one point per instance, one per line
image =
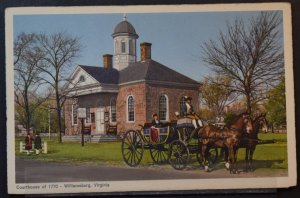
(148, 70)
(102, 75)
(151, 70)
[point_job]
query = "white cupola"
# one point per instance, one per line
(124, 44)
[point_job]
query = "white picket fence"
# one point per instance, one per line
(44, 147)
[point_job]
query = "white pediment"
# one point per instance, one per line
(80, 79)
(82, 83)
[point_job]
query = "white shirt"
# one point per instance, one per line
(188, 107)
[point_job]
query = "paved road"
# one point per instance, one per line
(33, 171)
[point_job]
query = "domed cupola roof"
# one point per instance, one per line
(124, 28)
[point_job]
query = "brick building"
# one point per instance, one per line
(125, 92)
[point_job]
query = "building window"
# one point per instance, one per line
(123, 47)
(74, 114)
(181, 103)
(113, 112)
(130, 109)
(92, 117)
(81, 78)
(163, 107)
(88, 115)
(131, 50)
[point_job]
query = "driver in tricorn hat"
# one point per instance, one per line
(188, 112)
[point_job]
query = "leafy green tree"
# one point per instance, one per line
(275, 105)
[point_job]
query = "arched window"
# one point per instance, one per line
(163, 108)
(113, 110)
(181, 102)
(130, 109)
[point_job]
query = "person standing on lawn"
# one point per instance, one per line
(37, 143)
(28, 143)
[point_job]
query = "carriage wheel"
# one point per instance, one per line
(132, 148)
(178, 155)
(159, 153)
(212, 156)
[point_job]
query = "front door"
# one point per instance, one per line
(100, 120)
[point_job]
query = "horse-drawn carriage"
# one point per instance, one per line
(176, 142)
(173, 143)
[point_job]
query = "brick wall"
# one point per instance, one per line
(146, 103)
(146, 97)
(173, 94)
(138, 93)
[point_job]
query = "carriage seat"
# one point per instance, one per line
(184, 122)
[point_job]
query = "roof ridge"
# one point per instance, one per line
(166, 67)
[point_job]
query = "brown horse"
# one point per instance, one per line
(249, 141)
(228, 137)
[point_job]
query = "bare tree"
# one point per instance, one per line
(27, 81)
(60, 51)
(216, 94)
(250, 54)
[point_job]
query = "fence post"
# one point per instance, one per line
(21, 147)
(45, 147)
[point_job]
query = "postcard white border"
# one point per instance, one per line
(161, 185)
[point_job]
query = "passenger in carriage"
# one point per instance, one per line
(188, 112)
(155, 121)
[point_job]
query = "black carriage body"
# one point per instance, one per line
(173, 143)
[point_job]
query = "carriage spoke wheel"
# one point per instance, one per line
(132, 148)
(159, 153)
(178, 155)
(212, 156)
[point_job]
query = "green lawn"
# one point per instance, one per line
(272, 156)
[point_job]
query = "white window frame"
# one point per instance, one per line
(123, 42)
(113, 99)
(73, 124)
(167, 106)
(89, 116)
(127, 113)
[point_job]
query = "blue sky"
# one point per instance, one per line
(176, 37)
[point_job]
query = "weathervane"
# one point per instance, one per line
(124, 17)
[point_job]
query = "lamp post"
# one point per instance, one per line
(49, 121)
(82, 115)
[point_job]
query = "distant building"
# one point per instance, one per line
(125, 92)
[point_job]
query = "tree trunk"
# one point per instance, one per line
(248, 101)
(27, 111)
(58, 110)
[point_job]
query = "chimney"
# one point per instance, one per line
(145, 51)
(107, 61)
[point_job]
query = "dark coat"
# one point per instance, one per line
(28, 143)
(184, 110)
(156, 125)
(37, 142)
